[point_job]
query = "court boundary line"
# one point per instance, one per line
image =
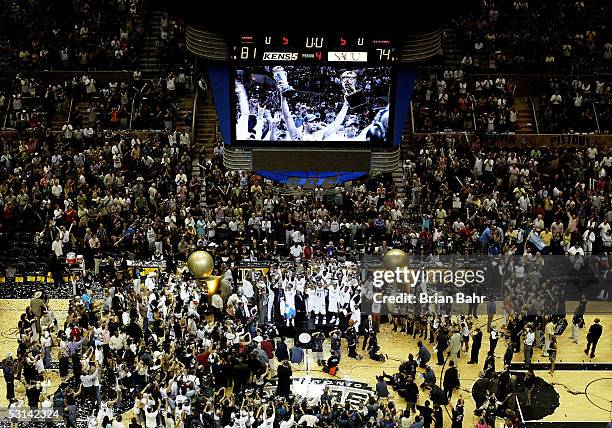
(518, 404)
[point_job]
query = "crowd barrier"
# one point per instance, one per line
(528, 140)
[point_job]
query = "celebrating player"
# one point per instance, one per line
(312, 130)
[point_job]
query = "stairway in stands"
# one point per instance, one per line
(205, 124)
(599, 14)
(184, 106)
(80, 108)
(148, 56)
(525, 122)
(451, 48)
(196, 171)
(399, 179)
(5, 51)
(59, 118)
(204, 133)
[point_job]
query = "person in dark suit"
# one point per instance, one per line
(426, 413)
(438, 416)
(300, 310)
(441, 345)
(282, 353)
(283, 386)
(593, 336)
(241, 374)
(424, 356)
(476, 344)
(489, 365)
(351, 340)
(504, 382)
(509, 354)
(493, 339)
(369, 332)
(411, 394)
(458, 414)
(451, 380)
(437, 395)
(8, 368)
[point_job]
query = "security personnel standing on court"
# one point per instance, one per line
(351, 340)
(451, 380)
(441, 344)
(476, 343)
(593, 336)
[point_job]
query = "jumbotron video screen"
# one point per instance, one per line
(284, 103)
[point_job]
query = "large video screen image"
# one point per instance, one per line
(312, 103)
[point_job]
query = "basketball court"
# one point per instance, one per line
(583, 385)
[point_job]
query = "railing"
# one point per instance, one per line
(596, 118)
(473, 105)
(544, 140)
(70, 109)
(412, 116)
(140, 133)
(535, 114)
(195, 109)
(137, 92)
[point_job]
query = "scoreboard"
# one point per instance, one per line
(311, 90)
(309, 108)
(315, 48)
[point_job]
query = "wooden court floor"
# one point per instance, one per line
(574, 405)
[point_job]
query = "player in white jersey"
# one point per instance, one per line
(344, 298)
(270, 306)
(319, 304)
(242, 123)
(333, 296)
(311, 129)
(288, 305)
(250, 109)
(356, 309)
(310, 299)
(299, 282)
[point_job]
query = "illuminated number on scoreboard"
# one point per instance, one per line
(268, 40)
(285, 41)
(244, 52)
(360, 41)
(342, 41)
(314, 42)
(385, 54)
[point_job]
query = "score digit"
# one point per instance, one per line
(385, 54)
(244, 52)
